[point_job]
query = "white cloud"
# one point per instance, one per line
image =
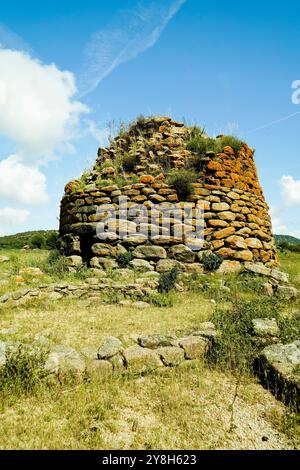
(12, 217)
(290, 188)
(277, 224)
(37, 107)
(21, 183)
(130, 34)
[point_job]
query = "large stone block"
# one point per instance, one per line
(140, 360)
(150, 252)
(194, 347)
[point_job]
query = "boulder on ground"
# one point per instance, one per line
(109, 348)
(287, 292)
(156, 340)
(140, 360)
(171, 355)
(65, 361)
(279, 368)
(194, 347)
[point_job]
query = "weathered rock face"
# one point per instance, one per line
(127, 203)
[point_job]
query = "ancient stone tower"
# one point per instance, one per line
(163, 194)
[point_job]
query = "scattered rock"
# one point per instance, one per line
(206, 330)
(279, 368)
(64, 361)
(8, 331)
(141, 304)
(109, 348)
(74, 261)
(286, 292)
(265, 327)
(267, 289)
(31, 272)
(171, 355)
(140, 360)
(2, 353)
(156, 340)
(4, 259)
(194, 347)
(99, 368)
(268, 272)
(265, 331)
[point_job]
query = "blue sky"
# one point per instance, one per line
(226, 65)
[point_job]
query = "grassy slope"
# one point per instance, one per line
(287, 238)
(21, 239)
(186, 407)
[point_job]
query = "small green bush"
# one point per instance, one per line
(123, 259)
(22, 372)
(233, 347)
(231, 141)
(55, 264)
(181, 181)
(38, 241)
(167, 281)
(199, 143)
(211, 262)
(165, 299)
(52, 241)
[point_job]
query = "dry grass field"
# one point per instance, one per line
(198, 405)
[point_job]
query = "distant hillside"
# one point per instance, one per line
(35, 239)
(287, 238)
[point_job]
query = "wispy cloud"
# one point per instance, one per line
(10, 40)
(130, 33)
(272, 123)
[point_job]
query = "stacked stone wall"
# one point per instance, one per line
(225, 213)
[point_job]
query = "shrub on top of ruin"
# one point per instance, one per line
(199, 143)
(211, 262)
(129, 162)
(231, 141)
(182, 181)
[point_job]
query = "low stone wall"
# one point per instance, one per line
(236, 224)
(148, 353)
(145, 285)
(91, 290)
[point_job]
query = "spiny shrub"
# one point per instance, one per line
(231, 141)
(123, 259)
(162, 299)
(199, 143)
(22, 372)
(233, 348)
(55, 264)
(211, 262)
(167, 281)
(181, 181)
